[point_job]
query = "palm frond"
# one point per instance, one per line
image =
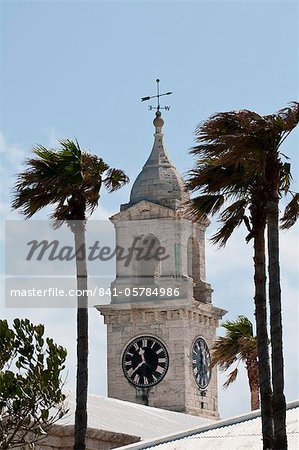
(70, 149)
(242, 326)
(236, 210)
(233, 219)
(285, 177)
(234, 154)
(288, 118)
(205, 204)
(115, 179)
(291, 213)
(225, 352)
(239, 343)
(231, 378)
(68, 178)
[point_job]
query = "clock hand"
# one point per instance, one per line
(137, 367)
(141, 353)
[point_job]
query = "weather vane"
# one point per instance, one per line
(158, 107)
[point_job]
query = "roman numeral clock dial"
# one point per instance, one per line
(145, 361)
(201, 363)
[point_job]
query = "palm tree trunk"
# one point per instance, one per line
(261, 328)
(279, 402)
(82, 337)
(253, 379)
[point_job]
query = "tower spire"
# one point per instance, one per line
(159, 182)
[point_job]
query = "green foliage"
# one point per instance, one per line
(31, 397)
(239, 344)
(68, 178)
(237, 158)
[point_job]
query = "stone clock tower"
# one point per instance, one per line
(161, 322)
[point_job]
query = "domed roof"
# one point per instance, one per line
(159, 181)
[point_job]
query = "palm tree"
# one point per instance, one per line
(218, 183)
(239, 161)
(273, 130)
(70, 179)
(239, 344)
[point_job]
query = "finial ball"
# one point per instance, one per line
(158, 121)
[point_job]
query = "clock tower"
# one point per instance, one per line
(161, 322)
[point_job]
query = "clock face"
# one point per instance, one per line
(145, 361)
(201, 363)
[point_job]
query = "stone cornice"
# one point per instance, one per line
(160, 311)
(137, 212)
(147, 210)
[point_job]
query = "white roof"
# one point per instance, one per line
(242, 432)
(118, 416)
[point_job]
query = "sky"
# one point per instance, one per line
(78, 69)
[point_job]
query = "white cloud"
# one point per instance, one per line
(52, 137)
(101, 213)
(12, 154)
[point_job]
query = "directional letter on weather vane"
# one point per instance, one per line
(158, 107)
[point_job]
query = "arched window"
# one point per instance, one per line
(147, 266)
